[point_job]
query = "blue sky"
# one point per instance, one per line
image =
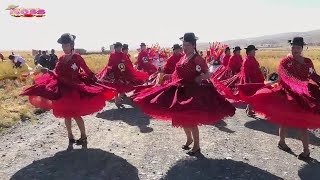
(99, 23)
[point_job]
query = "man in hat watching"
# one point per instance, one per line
(143, 63)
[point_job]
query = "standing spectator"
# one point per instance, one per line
(44, 60)
(37, 58)
(53, 59)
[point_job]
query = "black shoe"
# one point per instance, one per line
(193, 153)
(286, 149)
(72, 141)
(81, 141)
(186, 146)
(119, 106)
(304, 157)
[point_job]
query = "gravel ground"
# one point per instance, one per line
(126, 144)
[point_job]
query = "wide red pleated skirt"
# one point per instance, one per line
(285, 109)
(186, 105)
(236, 89)
(122, 82)
(68, 101)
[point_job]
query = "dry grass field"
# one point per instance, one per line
(14, 108)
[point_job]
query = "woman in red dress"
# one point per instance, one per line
(295, 102)
(125, 50)
(246, 82)
(70, 90)
(226, 57)
(144, 62)
(120, 74)
(208, 57)
(233, 67)
(158, 78)
(170, 64)
(190, 99)
(251, 77)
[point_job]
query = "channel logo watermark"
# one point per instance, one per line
(17, 11)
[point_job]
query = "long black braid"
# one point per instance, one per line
(194, 43)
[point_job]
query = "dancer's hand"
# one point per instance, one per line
(44, 70)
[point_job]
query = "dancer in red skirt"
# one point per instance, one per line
(120, 74)
(190, 99)
(125, 50)
(246, 82)
(251, 77)
(208, 57)
(233, 67)
(70, 90)
(169, 66)
(144, 61)
(295, 102)
(163, 75)
(226, 57)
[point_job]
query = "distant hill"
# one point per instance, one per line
(273, 41)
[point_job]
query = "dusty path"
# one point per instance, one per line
(125, 144)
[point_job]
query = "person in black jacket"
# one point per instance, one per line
(53, 59)
(37, 58)
(44, 60)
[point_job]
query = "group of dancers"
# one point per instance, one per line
(183, 91)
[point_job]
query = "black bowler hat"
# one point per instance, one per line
(143, 44)
(117, 44)
(237, 48)
(227, 49)
(125, 47)
(66, 38)
(251, 47)
(176, 46)
(189, 37)
(297, 41)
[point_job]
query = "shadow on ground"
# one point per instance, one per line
(269, 128)
(207, 169)
(222, 126)
(310, 171)
(79, 164)
(131, 116)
